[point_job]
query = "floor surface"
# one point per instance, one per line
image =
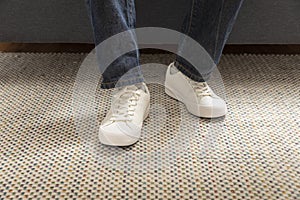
(50, 110)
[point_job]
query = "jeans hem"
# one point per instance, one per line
(189, 74)
(122, 83)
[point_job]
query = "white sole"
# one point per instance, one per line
(202, 112)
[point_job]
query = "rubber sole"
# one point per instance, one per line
(203, 112)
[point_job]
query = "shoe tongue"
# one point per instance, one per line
(119, 91)
(138, 86)
(201, 83)
(173, 69)
(133, 87)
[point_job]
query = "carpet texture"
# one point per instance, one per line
(252, 153)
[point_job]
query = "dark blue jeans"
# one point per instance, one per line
(209, 22)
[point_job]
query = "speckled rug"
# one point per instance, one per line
(252, 153)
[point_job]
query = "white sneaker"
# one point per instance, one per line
(123, 123)
(198, 97)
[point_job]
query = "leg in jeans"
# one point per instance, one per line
(110, 17)
(209, 23)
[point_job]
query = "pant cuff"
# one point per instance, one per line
(122, 83)
(192, 75)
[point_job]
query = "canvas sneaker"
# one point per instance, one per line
(198, 97)
(122, 124)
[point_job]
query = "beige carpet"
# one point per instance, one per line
(252, 153)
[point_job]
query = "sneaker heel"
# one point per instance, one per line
(170, 93)
(147, 112)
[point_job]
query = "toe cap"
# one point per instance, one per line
(119, 134)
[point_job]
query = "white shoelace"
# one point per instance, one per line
(200, 88)
(124, 107)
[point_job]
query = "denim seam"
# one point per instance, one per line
(92, 18)
(191, 17)
(182, 67)
(129, 17)
(218, 29)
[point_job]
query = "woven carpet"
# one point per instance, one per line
(252, 153)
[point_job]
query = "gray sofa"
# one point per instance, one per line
(53, 21)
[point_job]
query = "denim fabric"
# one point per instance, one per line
(209, 22)
(110, 17)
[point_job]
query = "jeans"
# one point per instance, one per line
(208, 22)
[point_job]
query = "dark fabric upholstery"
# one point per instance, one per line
(259, 22)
